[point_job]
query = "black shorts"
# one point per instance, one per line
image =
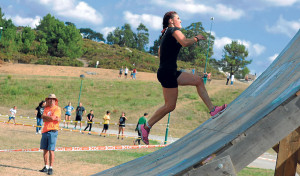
(123, 125)
(168, 78)
(78, 118)
(105, 126)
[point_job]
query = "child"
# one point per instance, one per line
(122, 124)
(106, 119)
(89, 118)
(13, 112)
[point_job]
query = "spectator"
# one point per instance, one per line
(89, 118)
(126, 72)
(106, 119)
(131, 74)
(209, 77)
(228, 77)
(232, 79)
(193, 71)
(51, 117)
(122, 124)
(142, 121)
(80, 111)
(68, 109)
(134, 73)
(38, 114)
(120, 72)
(12, 115)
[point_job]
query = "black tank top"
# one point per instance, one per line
(169, 49)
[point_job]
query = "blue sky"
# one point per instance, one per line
(264, 26)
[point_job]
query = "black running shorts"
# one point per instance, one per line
(168, 78)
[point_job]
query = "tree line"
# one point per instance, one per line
(54, 38)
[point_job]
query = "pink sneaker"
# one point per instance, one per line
(218, 110)
(144, 134)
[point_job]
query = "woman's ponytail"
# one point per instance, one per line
(167, 17)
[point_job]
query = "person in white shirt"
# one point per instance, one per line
(12, 115)
(126, 72)
(232, 79)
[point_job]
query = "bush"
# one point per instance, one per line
(63, 61)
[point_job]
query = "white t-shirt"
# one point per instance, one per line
(126, 70)
(232, 77)
(13, 112)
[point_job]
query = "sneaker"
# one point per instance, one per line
(218, 110)
(90, 134)
(36, 133)
(44, 169)
(40, 132)
(50, 171)
(145, 134)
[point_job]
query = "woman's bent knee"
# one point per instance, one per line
(170, 108)
(199, 82)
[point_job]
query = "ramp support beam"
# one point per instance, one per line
(288, 154)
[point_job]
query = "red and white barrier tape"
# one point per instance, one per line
(97, 148)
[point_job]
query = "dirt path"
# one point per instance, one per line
(85, 63)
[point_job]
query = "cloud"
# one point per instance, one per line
(107, 30)
(152, 21)
(258, 49)
(253, 49)
(272, 58)
(281, 2)
(31, 22)
(74, 9)
(285, 27)
(189, 6)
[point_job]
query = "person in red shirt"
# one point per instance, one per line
(51, 117)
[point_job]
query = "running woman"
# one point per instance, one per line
(122, 124)
(68, 109)
(172, 40)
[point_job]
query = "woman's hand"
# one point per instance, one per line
(200, 37)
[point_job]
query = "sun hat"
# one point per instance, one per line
(52, 96)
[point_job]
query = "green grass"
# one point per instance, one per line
(256, 172)
(133, 97)
(113, 95)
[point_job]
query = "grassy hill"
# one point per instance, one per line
(114, 57)
(109, 56)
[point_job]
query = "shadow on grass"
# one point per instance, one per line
(2, 165)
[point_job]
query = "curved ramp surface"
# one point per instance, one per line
(266, 112)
